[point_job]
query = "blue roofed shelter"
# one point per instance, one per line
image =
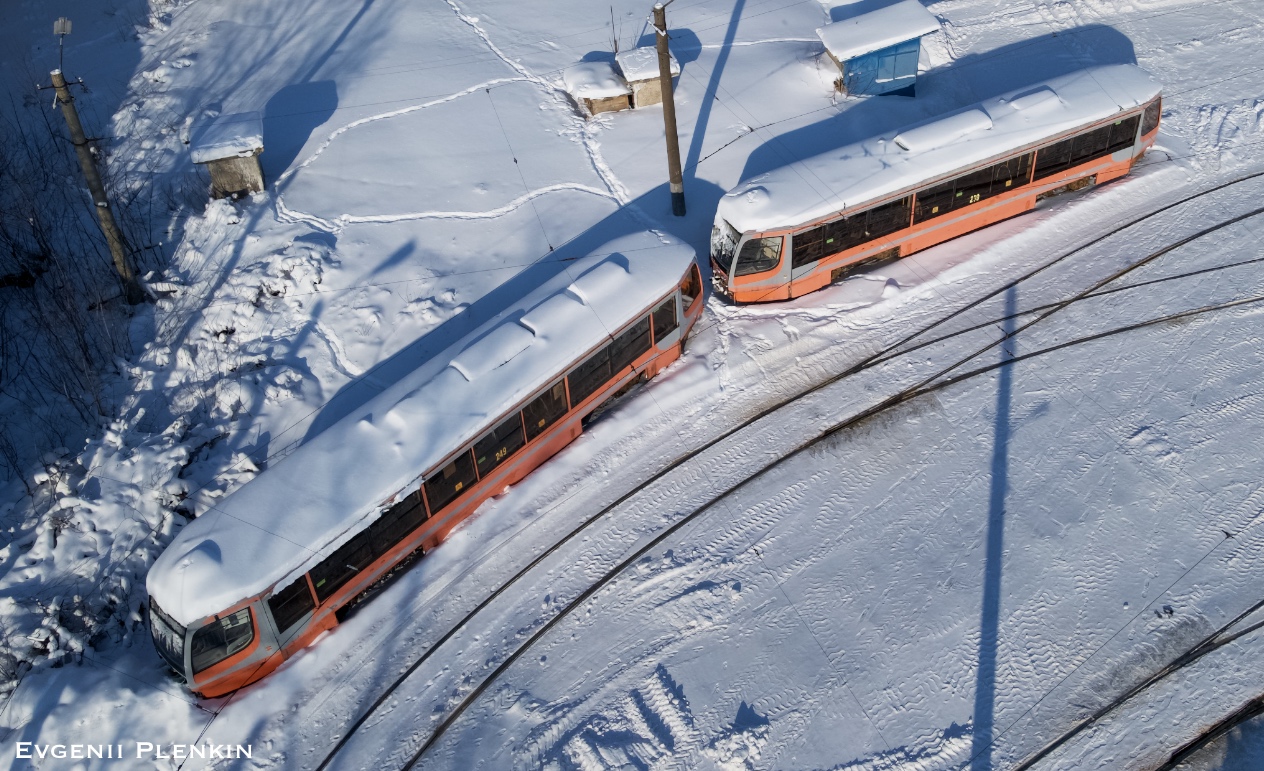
(877, 52)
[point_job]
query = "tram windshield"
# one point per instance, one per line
(221, 638)
(759, 255)
(724, 238)
(168, 636)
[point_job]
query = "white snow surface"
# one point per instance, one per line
(857, 174)
(594, 80)
(877, 29)
(295, 513)
(642, 63)
(948, 585)
(228, 136)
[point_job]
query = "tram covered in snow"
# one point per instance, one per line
(264, 572)
(801, 227)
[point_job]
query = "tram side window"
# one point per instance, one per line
(845, 233)
(1083, 148)
(972, 187)
(630, 346)
(451, 481)
(291, 603)
(1090, 145)
(397, 523)
(1123, 134)
(808, 247)
(220, 639)
(499, 443)
(839, 235)
(691, 286)
(589, 376)
(1053, 159)
(888, 218)
(664, 317)
(935, 202)
(1150, 120)
(1010, 174)
(340, 567)
(544, 410)
(759, 255)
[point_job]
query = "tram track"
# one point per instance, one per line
(1212, 642)
(893, 401)
(1252, 709)
(905, 345)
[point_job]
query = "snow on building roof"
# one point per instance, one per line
(878, 29)
(228, 136)
(594, 80)
(915, 157)
(642, 63)
(296, 512)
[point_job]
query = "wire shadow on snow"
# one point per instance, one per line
(941, 90)
(990, 614)
(630, 218)
(709, 96)
(290, 117)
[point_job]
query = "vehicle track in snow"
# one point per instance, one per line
(943, 378)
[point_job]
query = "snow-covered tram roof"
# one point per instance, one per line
(854, 175)
(301, 509)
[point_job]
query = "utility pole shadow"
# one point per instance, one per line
(989, 621)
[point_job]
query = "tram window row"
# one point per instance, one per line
(832, 237)
(444, 487)
(836, 236)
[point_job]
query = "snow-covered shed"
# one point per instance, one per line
(597, 86)
(877, 52)
(640, 70)
(229, 147)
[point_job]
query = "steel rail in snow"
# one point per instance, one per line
(901, 347)
(927, 386)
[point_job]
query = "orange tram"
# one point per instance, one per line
(268, 569)
(283, 559)
(806, 225)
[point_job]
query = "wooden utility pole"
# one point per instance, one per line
(669, 113)
(118, 248)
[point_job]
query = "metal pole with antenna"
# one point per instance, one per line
(674, 176)
(61, 28)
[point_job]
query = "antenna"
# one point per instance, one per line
(61, 28)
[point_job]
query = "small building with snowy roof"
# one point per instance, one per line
(877, 52)
(229, 147)
(640, 69)
(597, 87)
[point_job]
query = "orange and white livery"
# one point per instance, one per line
(264, 572)
(801, 227)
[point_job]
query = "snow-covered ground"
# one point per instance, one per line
(953, 583)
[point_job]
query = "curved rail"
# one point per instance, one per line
(927, 386)
(889, 352)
